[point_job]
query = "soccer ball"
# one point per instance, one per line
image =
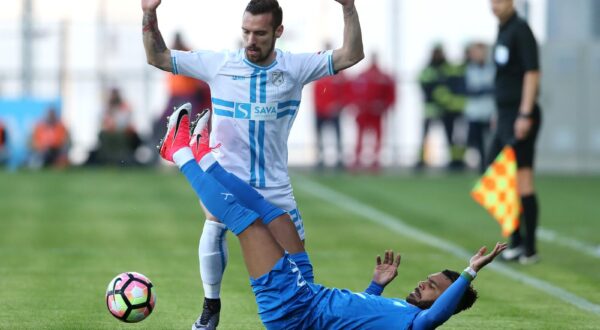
(129, 297)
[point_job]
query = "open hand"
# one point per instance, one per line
(479, 260)
(387, 270)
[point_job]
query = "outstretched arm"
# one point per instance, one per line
(157, 53)
(384, 272)
(445, 305)
(352, 48)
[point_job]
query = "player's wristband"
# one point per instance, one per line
(525, 115)
(469, 274)
(374, 289)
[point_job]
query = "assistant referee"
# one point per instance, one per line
(519, 117)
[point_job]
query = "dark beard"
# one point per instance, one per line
(267, 54)
(421, 304)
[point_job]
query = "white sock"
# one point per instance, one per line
(213, 254)
(182, 156)
(207, 161)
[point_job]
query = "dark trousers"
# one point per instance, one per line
(478, 130)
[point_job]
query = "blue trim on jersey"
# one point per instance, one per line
(216, 101)
(260, 67)
(285, 113)
(330, 60)
(290, 103)
(253, 86)
(226, 108)
(174, 65)
(261, 155)
(251, 130)
(223, 113)
(263, 86)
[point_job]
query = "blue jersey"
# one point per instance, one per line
(286, 301)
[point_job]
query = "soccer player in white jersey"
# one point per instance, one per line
(256, 94)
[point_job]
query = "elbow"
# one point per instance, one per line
(151, 60)
(359, 56)
(355, 58)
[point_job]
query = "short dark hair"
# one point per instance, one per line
(256, 7)
(468, 298)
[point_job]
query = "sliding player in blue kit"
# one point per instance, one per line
(286, 300)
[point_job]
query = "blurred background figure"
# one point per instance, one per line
(3, 145)
(373, 93)
(118, 139)
(480, 107)
(49, 142)
(443, 87)
(181, 90)
(331, 95)
(455, 125)
(431, 79)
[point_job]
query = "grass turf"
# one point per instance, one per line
(65, 235)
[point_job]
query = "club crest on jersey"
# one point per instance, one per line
(277, 78)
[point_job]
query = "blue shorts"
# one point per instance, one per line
(283, 297)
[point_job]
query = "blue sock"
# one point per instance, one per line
(245, 194)
(217, 199)
(303, 262)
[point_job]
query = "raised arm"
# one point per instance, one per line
(157, 53)
(352, 48)
(445, 305)
(384, 272)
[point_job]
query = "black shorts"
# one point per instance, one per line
(505, 134)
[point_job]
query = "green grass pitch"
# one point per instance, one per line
(65, 235)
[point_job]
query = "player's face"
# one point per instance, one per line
(429, 290)
(259, 37)
(502, 8)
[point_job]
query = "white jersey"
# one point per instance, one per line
(254, 107)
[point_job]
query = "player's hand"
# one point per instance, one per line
(346, 3)
(522, 127)
(480, 259)
(387, 270)
(150, 5)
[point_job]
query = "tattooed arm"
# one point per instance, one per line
(157, 53)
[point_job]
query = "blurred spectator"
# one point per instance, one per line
(49, 142)
(443, 86)
(480, 105)
(331, 94)
(453, 117)
(118, 138)
(373, 93)
(183, 89)
(3, 144)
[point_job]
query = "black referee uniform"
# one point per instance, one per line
(515, 53)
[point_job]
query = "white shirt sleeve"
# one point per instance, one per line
(312, 66)
(203, 65)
